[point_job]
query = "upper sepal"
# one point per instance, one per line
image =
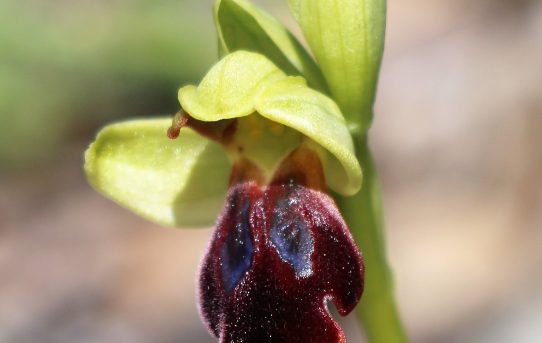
(244, 83)
(242, 26)
(171, 182)
(347, 39)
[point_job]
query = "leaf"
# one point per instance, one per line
(347, 39)
(178, 182)
(242, 26)
(244, 83)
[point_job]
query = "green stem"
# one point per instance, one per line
(377, 310)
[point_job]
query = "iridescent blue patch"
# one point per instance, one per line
(238, 250)
(292, 239)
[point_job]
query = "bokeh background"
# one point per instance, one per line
(457, 137)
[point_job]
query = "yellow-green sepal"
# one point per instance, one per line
(245, 83)
(347, 39)
(175, 183)
(243, 26)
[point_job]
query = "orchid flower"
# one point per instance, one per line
(265, 144)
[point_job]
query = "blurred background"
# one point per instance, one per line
(457, 137)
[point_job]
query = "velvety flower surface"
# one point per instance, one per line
(278, 254)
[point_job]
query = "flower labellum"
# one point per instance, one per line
(278, 254)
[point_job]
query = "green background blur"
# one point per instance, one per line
(457, 138)
(68, 65)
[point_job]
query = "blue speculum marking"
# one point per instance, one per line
(237, 251)
(292, 239)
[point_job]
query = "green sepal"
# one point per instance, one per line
(243, 26)
(177, 183)
(347, 39)
(244, 83)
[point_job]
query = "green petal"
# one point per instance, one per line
(228, 89)
(242, 26)
(178, 182)
(347, 39)
(316, 116)
(244, 83)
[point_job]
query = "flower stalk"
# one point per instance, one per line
(377, 312)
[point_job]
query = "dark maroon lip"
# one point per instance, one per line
(279, 252)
